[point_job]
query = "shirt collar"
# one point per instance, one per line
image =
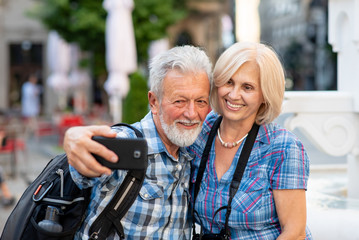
(263, 134)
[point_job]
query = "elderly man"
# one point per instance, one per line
(179, 101)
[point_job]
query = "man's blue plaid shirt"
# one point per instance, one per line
(160, 211)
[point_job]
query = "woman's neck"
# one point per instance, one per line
(232, 131)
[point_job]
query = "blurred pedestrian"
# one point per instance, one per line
(30, 101)
(30, 97)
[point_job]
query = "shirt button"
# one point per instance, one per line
(146, 195)
(171, 221)
(179, 167)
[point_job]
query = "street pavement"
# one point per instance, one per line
(39, 151)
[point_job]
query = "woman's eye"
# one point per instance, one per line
(248, 87)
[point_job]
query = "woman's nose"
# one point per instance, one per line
(235, 93)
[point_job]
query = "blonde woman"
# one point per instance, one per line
(270, 202)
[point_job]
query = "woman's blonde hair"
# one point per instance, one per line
(271, 74)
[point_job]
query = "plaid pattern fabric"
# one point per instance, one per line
(278, 161)
(160, 211)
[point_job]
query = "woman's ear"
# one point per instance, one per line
(153, 102)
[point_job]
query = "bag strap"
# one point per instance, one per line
(205, 156)
(238, 174)
(201, 169)
(137, 132)
(110, 217)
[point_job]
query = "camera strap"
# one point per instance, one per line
(110, 217)
(237, 176)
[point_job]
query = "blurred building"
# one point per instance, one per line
(297, 29)
(23, 43)
(22, 50)
(205, 26)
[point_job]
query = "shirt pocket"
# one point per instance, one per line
(149, 207)
(249, 210)
(249, 197)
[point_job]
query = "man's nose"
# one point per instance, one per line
(190, 111)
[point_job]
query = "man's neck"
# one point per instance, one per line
(173, 151)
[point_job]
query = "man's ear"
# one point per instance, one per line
(154, 102)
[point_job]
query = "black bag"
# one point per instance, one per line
(54, 195)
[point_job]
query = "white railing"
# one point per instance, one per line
(330, 119)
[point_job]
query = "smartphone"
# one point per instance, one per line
(131, 152)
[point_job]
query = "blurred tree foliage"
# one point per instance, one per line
(151, 18)
(135, 106)
(83, 22)
(79, 21)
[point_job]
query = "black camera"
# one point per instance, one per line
(212, 236)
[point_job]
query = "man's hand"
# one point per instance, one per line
(78, 146)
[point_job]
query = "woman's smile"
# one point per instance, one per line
(233, 106)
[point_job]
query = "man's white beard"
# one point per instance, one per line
(180, 137)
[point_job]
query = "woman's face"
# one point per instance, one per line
(241, 96)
